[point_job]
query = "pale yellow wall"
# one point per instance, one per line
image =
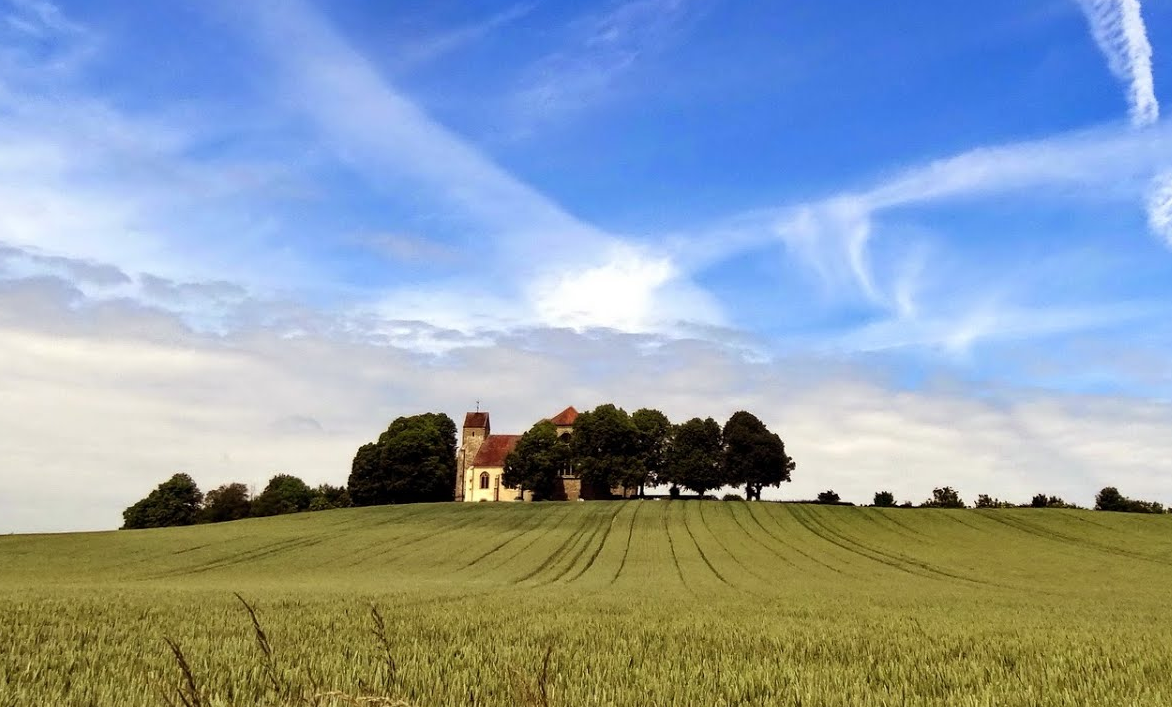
(474, 494)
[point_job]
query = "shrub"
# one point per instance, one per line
(985, 501)
(884, 499)
(945, 497)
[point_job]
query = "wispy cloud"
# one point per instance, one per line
(384, 135)
(433, 47)
(833, 236)
(407, 248)
(1119, 30)
(36, 31)
(1160, 207)
(599, 50)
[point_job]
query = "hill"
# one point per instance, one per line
(648, 603)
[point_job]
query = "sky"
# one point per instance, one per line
(927, 243)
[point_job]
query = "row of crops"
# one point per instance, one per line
(623, 603)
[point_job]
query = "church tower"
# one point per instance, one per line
(476, 430)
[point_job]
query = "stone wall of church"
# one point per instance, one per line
(470, 443)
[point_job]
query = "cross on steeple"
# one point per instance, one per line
(477, 406)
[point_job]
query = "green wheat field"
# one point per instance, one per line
(602, 603)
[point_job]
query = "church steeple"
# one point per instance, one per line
(476, 429)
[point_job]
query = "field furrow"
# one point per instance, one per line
(658, 603)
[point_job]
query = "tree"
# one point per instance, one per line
(655, 436)
(1043, 501)
(753, 456)
(694, 460)
(605, 448)
(884, 499)
(227, 502)
(828, 497)
(364, 484)
(176, 501)
(283, 494)
(987, 501)
(946, 497)
(536, 461)
(326, 497)
(1109, 499)
(414, 461)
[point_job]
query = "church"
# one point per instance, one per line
(480, 461)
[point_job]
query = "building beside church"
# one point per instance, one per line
(480, 461)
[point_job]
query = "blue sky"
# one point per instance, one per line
(868, 216)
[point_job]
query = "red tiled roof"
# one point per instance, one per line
(476, 419)
(494, 450)
(565, 418)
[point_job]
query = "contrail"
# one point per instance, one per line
(1118, 29)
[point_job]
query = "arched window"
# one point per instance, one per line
(484, 480)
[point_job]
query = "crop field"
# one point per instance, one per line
(605, 603)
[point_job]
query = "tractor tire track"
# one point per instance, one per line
(627, 547)
(565, 547)
(791, 546)
(601, 543)
(1071, 541)
(776, 553)
(724, 547)
(520, 551)
(395, 548)
(535, 521)
(245, 556)
(675, 560)
(876, 520)
(911, 532)
(700, 550)
(894, 560)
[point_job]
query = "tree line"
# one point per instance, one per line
(179, 501)
(1109, 499)
(414, 461)
(611, 449)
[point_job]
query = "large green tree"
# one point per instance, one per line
(694, 460)
(227, 502)
(536, 461)
(655, 434)
(605, 448)
(414, 461)
(753, 456)
(283, 494)
(176, 501)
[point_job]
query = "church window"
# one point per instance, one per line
(484, 480)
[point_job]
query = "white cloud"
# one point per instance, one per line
(100, 406)
(1119, 30)
(631, 291)
(535, 263)
(1160, 207)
